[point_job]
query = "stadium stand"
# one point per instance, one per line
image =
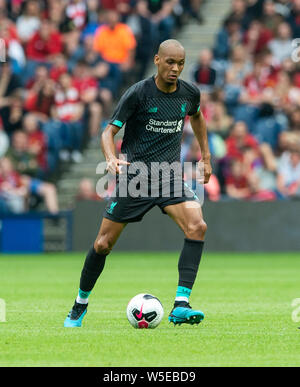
(61, 79)
(251, 100)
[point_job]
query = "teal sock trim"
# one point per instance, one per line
(182, 291)
(83, 294)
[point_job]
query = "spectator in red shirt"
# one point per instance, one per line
(121, 6)
(69, 109)
(41, 74)
(59, 67)
(42, 48)
(257, 37)
(44, 44)
(67, 100)
(40, 100)
(238, 140)
(107, 74)
(241, 184)
(37, 142)
(204, 74)
(260, 83)
(90, 96)
(237, 185)
(40, 95)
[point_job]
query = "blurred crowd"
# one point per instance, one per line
(250, 84)
(63, 64)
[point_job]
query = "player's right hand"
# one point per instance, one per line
(114, 165)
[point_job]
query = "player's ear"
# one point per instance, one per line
(156, 59)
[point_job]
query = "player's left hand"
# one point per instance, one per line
(206, 171)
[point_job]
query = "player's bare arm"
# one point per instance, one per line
(109, 151)
(200, 131)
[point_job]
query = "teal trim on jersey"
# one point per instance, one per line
(182, 291)
(183, 108)
(118, 123)
(198, 109)
(83, 294)
(153, 110)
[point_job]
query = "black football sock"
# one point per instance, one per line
(92, 268)
(188, 265)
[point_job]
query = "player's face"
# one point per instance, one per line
(170, 66)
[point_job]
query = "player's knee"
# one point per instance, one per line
(196, 230)
(103, 246)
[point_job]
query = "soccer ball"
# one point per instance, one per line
(144, 311)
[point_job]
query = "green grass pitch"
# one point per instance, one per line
(246, 299)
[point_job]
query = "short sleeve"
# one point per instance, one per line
(195, 102)
(125, 108)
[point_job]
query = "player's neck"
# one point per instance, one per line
(164, 86)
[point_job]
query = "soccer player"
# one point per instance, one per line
(153, 110)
